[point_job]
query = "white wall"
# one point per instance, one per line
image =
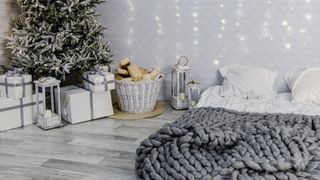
(279, 35)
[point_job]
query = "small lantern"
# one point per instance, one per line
(193, 93)
(48, 118)
(180, 76)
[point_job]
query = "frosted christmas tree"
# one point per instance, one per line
(57, 37)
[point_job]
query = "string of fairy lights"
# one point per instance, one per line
(178, 46)
(195, 28)
(131, 15)
(225, 23)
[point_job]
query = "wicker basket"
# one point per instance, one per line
(138, 97)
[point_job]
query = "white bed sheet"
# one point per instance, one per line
(280, 104)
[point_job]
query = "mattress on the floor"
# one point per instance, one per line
(280, 104)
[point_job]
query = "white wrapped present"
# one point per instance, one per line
(98, 81)
(108, 68)
(80, 105)
(15, 113)
(15, 85)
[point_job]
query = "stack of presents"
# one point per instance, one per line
(92, 100)
(20, 106)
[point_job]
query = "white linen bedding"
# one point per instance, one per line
(280, 104)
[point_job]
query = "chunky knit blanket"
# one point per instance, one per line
(215, 143)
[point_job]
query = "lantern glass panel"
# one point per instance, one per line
(174, 84)
(188, 79)
(194, 94)
(182, 80)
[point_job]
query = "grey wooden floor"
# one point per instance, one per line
(101, 149)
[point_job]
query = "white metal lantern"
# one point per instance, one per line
(193, 93)
(180, 76)
(48, 118)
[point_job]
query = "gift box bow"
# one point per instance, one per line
(17, 72)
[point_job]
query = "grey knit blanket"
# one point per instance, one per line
(215, 143)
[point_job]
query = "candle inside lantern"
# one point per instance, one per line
(182, 96)
(48, 114)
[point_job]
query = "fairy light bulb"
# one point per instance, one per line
(288, 46)
(216, 62)
(308, 16)
(284, 23)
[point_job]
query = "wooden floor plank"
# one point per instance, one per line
(123, 160)
(9, 141)
(14, 177)
(56, 151)
(43, 173)
(20, 161)
(100, 171)
(105, 144)
(101, 149)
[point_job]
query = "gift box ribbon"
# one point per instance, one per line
(21, 106)
(15, 73)
(100, 72)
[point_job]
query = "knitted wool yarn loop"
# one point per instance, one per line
(215, 143)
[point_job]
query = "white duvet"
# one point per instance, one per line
(280, 104)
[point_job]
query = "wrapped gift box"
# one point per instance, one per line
(98, 81)
(80, 105)
(109, 68)
(106, 68)
(15, 85)
(15, 113)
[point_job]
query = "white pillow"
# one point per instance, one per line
(305, 86)
(248, 82)
(290, 78)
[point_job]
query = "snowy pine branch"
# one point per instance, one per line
(56, 37)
